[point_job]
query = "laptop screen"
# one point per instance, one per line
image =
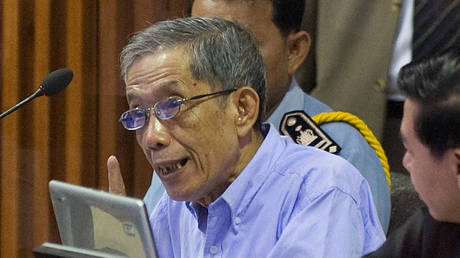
(97, 220)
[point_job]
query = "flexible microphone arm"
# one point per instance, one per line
(51, 85)
(38, 93)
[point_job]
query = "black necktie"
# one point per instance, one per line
(436, 26)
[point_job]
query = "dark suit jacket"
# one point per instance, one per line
(422, 236)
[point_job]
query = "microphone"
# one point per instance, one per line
(51, 85)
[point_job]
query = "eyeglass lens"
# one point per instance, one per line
(167, 109)
(133, 119)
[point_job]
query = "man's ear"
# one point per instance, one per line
(457, 165)
(247, 104)
(298, 45)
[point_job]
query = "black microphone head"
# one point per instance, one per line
(56, 81)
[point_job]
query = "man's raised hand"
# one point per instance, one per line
(116, 184)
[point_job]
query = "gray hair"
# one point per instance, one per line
(222, 54)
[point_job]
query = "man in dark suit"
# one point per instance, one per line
(430, 132)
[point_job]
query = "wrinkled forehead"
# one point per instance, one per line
(135, 54)
(165, 69)
(153, 64)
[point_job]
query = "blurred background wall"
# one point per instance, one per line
(68, 136)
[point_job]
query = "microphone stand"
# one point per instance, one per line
(38, 93)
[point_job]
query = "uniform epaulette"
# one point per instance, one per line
(303, 130)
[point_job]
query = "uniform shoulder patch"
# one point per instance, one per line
(303, 130)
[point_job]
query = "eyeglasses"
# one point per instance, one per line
(136, 118)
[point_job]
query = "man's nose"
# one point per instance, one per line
(156, 136)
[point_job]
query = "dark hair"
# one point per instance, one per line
(434, 83)
(221, 53)
(287, 14)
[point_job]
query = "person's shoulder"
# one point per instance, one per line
(339, 138)
(342, 132)
(310, 156)
(307, 158)
(319, 169)
(312, 105)
(406, 240)
(309, 104)
(353, 144)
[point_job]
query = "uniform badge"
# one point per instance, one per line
(303, 130)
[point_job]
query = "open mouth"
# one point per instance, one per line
(171, 168)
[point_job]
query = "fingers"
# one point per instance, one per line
(116, 184)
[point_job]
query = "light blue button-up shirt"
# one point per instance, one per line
(289, 201)
(355, 149)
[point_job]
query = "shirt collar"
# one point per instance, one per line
(240, 193)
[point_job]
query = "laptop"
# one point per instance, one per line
(98, 221)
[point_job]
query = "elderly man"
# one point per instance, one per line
(235, 187)
(276, 27)
(430, 131)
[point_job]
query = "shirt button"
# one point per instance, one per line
(237, 220)
(213, 249)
